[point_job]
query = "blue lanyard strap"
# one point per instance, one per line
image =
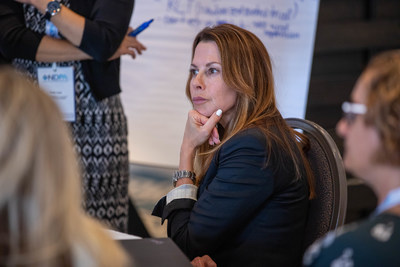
(392, 199)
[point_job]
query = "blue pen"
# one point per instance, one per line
(139, 29)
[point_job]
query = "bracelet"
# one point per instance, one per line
(183, 174)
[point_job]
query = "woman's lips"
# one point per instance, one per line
(198, 100)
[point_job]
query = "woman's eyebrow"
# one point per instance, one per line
(211, 63)
(207, 65)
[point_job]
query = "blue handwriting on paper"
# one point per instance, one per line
(271, 20)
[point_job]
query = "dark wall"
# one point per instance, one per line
(349, 33)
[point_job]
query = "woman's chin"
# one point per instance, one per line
(205, 113)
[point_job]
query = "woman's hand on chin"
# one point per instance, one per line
(199, 129)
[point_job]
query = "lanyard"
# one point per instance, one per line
(392, 199)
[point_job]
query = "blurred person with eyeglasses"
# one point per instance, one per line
(370, 128)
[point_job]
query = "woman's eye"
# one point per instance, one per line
(212, 70)
(194, 71)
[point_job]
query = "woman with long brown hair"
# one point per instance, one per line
(243, 184)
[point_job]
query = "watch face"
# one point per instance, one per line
(53, 7)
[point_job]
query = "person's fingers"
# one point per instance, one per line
(213, 120)
(131, 46)
(133, 42)
(129, 30)
(204, 261)
(130, 52)
(200, 129)
(197, 118)
(208, 125)
(196, 262)
(208, 261)
(141, 46)
(215, 136)
(204, 119)
(210, 141)
(138, 49)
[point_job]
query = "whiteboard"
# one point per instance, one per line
(154, 83)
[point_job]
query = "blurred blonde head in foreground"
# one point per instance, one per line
(42, 220)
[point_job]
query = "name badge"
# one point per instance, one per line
(58, 82)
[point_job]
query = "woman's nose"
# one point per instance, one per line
(197, 81)
(341, 128)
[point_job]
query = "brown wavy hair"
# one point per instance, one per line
(247, 69)
(383, 104)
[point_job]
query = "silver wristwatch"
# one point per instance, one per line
(183, 174)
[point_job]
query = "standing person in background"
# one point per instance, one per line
(41, 215)
(83, 41)
(242, 188)
(371, 131)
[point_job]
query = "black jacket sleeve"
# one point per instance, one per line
(16, 41)
(106, 24)
(105, 27)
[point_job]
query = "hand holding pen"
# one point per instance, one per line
(129, 46)
(141, 28)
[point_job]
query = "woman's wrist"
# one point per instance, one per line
(186, 158)
(41, 5)
(183, 181)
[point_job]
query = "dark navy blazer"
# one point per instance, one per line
(248, 213)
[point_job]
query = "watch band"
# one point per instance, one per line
(183, 174)
(47, 15)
